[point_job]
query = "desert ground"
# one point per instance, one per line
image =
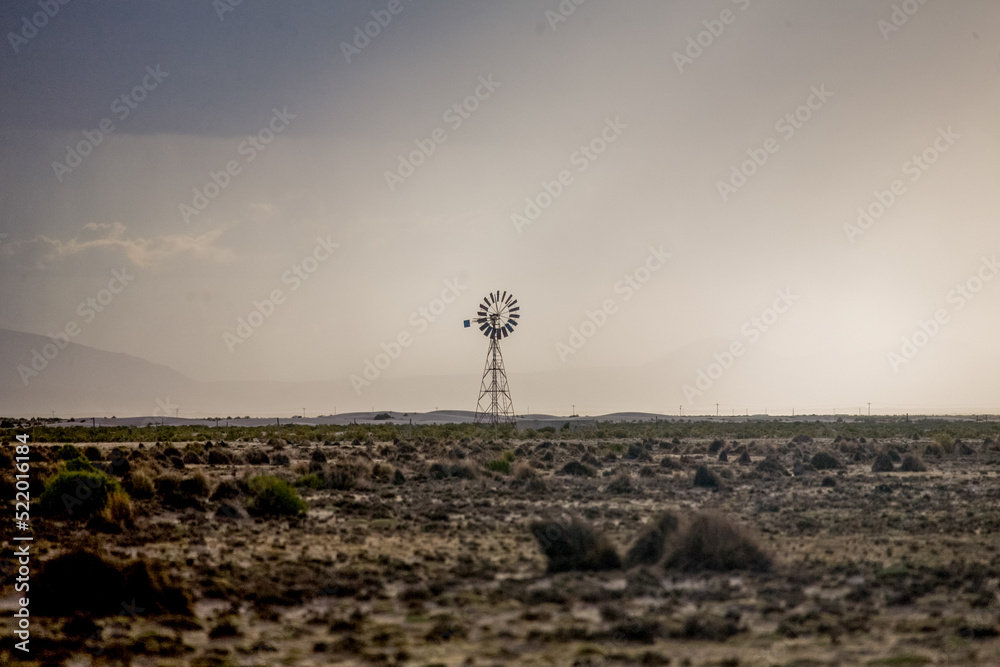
(876, 544)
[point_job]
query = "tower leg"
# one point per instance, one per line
(494, 406)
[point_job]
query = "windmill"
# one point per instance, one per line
(497, 317)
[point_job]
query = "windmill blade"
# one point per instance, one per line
(504, 297)
(514, 316)
(515, 309)
(484, 326)
(504, 332)
(512, 303)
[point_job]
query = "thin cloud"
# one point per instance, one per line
(44, 251)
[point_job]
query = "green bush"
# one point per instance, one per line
(311, 481)
(77, 491)
(68, 452)
(79, 465)
(946, 441)
(499, 465)
(271, 496)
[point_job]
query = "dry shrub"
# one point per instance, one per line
(651, 543)
(118, 509)
(577, 469)
(912, 463)
(945, 441)
(523, 472)
(936, 450)
(383, 472)
(255, 456)
(573, 544)
(460, 470)
(771, 465)
(84, 580)
(347, 475)
(712, 542)
(218, 457)
(196, 485)
(139, 483)
(226, 489)
(706, 478)
(824, 461)
(671, 463)
(621, 485)
(883, 463)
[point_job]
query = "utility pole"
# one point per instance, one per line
(869, 409)
(574, 410)
(716, 409)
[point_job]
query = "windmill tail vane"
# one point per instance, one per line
(497, 316)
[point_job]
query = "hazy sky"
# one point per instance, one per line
(403, 166)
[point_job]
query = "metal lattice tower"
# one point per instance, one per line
(497, 317)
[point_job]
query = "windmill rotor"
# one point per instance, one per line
(498, 314)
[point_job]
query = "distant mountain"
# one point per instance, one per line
(38, 375)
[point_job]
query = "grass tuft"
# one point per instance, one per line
(272, 496)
